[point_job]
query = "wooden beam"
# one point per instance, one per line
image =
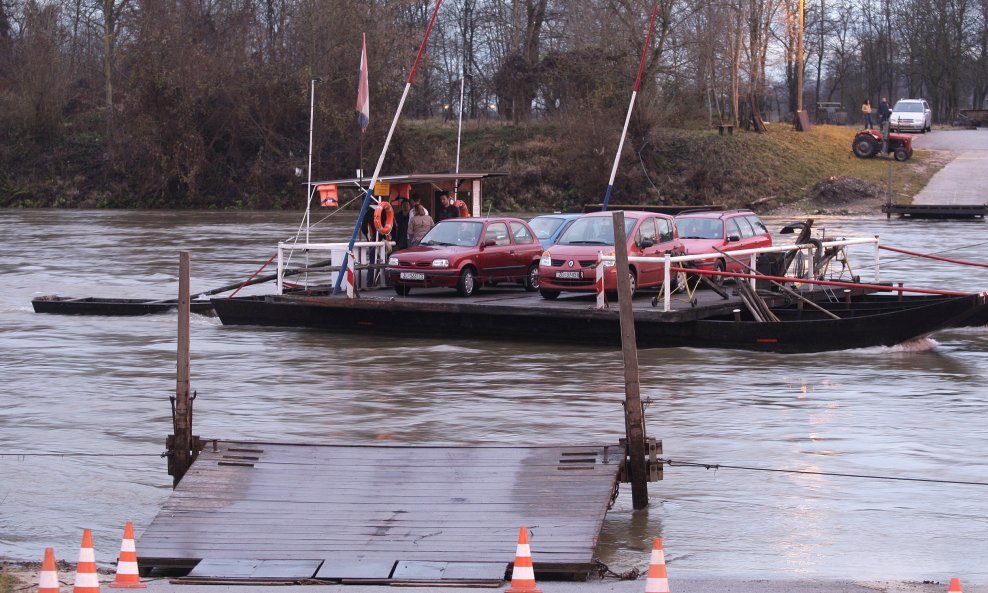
(633, 414)
(181, 442)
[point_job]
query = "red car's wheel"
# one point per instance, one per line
(468, 284)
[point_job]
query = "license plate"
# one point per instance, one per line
(569, 274)
(412, 276)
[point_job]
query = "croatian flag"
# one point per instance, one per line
(363, 96)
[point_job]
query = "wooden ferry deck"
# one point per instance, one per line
(387, 514)
(499, 313)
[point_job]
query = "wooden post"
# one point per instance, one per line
(181, 441)
(634, 418)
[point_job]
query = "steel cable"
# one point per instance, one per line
(672, 462)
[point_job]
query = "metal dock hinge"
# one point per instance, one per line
(653, 465)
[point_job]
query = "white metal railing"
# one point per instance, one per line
(807, 251)
(364, 253)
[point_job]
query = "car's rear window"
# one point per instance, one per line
(700, 228)
(545, 226)
(758, 225)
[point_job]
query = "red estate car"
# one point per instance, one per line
(465, 254)
(727, 230)
(571, 264)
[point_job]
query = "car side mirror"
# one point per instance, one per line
(646, 243)
(489, 242)
(733, 238)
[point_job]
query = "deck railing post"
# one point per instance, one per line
(753, 266)
(281, 269)
(877, 249)
(634, 417)
(667, 284)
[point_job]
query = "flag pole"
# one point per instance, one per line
(363, 106)
(308, 185)
(459, 131)
(627, 119)
(384, 149)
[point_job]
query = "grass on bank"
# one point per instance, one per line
(555, 168)
(8, 582)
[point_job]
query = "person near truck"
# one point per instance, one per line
(866, 112)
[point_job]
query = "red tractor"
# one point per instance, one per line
(868, 143)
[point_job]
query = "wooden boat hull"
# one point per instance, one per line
(870, 304)
(858, 329)
(112, 307)
(595, 327)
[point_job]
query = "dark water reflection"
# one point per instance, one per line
(101, 386)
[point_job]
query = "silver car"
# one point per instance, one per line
(911, 115)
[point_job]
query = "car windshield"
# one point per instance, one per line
(700, 228)
(463, 233)
(593, 230)
(545, 226)
(908, 107)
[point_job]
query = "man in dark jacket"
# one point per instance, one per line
(884, 112)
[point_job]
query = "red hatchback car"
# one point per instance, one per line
(727, 230)
(465, 254)
(570, 264)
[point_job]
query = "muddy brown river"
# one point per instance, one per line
(85, 406)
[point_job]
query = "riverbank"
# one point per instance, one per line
(22, 577)
(548, 167)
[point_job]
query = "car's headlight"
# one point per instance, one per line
(392, 261)
(545, 260)
(609, 263)
(440, 263)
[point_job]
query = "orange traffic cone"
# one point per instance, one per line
(955, 585)
(657, 580)
(523, 574)
(86, 580)
(48, 581)
(127, 575)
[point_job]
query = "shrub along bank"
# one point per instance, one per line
(550, 166)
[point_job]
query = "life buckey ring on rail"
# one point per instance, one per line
(461, 208)
(384, 210)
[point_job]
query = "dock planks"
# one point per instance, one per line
(382, 513)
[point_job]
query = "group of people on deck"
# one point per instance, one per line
(412, 220)
(884, 112)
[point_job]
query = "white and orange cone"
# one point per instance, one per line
(48, 580)
(955, 585)
(523, 574)
(127, 575)
(86, 580)
(657, 580)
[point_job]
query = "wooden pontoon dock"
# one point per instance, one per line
(384, 514)
(973, 211)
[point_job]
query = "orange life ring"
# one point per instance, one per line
(461, 207)
(384, 210)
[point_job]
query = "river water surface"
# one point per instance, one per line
(85, 406)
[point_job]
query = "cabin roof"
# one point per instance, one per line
(415, 178)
